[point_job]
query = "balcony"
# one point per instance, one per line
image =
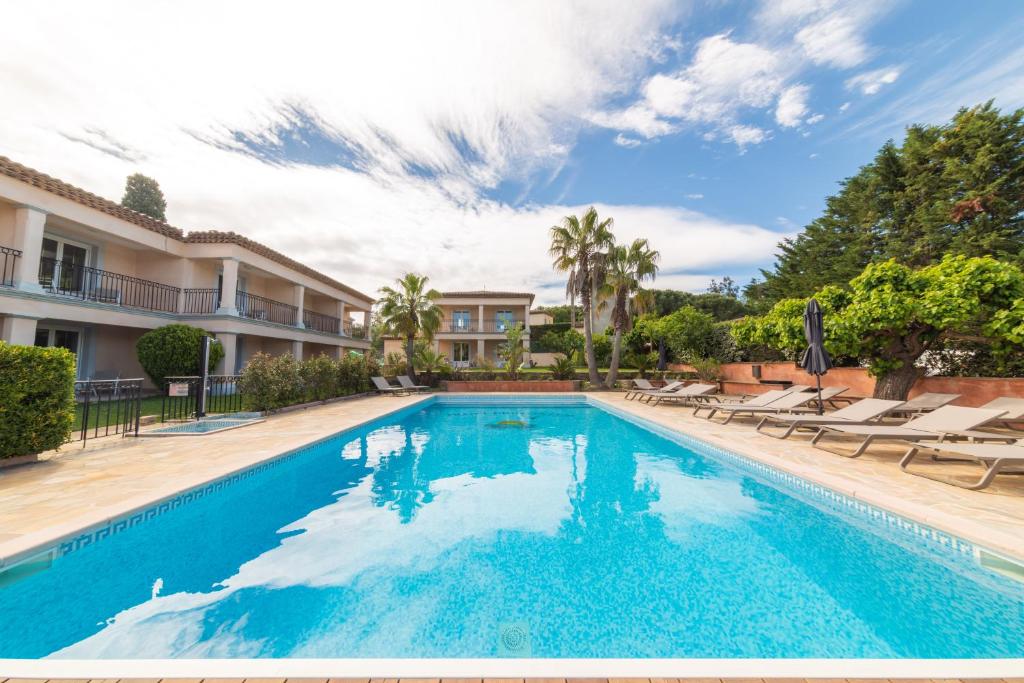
(67, 279)
(321, 322)
(8, 262)
(467, 326)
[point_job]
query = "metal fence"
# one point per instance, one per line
(107, 407)
(8, 262)
(261, 308)
(93, 284)
(181, 397)
(199, 300)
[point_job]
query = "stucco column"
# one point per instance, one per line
(18, 330)
(299, 301)
(229, 362)
(480, 319)
(341, 317)
(229, 287)
(526, 319)
(480, 348)
(28, 239)
(366, 324)
(297, 349)
(339, 352)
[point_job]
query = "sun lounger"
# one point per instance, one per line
(758, 400)
(996, 458)
(669, 388)
(639, 384)
(924, 403)
(787, 402)
(1013, 417)
(407, 383)
(864, 411)
(947, 422)
(693, 392)
(384, 388)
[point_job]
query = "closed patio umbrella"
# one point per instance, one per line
(815, 359)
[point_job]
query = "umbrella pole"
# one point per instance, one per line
(821, 406)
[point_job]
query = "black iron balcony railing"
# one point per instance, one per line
(8, 262)
(467, 326)
(321, 322)
(257, 307)
(199, 301)
(354, 330)
(92, 284)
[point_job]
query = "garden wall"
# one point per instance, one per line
(738, 378)
(509, 385)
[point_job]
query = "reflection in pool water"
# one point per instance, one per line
(426, 534)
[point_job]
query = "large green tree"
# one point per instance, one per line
(891, 315)
(577, 245)
(409, 310)
(625, 270)
(143, 194)
(956, 188)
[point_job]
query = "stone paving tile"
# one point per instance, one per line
(77, 488)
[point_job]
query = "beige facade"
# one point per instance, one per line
(84, 273)
(474, 326)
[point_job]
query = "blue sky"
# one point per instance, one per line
(447, 138)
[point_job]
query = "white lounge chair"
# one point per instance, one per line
(788, 402)
(947, 422)
(865, 411)
(383, 387)
(639, 385)
(1013, 417)
(757, 400)
(407, 383)
(692, 392)
(996, 458)
(924, 403)
(669, 388)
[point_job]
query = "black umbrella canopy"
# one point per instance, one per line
(815, 359)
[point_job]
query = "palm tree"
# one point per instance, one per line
(408, 311)
(574, 246)
(624, 271)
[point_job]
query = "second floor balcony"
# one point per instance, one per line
(475, 326)
(66, 278)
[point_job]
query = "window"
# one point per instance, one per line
(460, 321)
(460, 352)
(62, 264)
(504, 320)
(63, 338)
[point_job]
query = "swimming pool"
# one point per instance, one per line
(543, 527)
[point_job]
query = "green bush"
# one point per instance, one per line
(563, 368)
(173, 351)
(37, 398)
(271, 382)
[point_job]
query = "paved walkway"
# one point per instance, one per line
(43, 502)
(512, 680)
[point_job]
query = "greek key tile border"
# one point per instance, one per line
(790, 483)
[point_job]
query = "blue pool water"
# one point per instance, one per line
(479, 530)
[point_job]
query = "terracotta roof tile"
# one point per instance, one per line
(60, 188)
(487, 294)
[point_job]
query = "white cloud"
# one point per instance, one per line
(817, 118)
(623, 141)
(792, 106)
(747, 135)
(870, 82)
(844, 106)
(813, 155)
(834, 40)
(695, 195)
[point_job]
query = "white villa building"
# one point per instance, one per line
(85, 273)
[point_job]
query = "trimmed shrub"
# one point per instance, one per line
(320, 378)
(271, 382)
(173, 351)
(37, 398)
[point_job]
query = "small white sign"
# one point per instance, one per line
(177, 389)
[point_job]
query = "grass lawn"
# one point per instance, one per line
(99, 414)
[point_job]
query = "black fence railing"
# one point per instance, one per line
(181, 397)
(8, 262)
(107, 407)
(459, 325)
(93, 284)
(321, 322)
(258, 307)
(199, 300)
(354, 330)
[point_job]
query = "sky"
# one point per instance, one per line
(373, 139)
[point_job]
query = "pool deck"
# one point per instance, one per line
(75, 489)
(511, 680)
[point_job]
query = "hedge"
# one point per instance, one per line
(270, 382)
(37, 398)
(173, 351)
